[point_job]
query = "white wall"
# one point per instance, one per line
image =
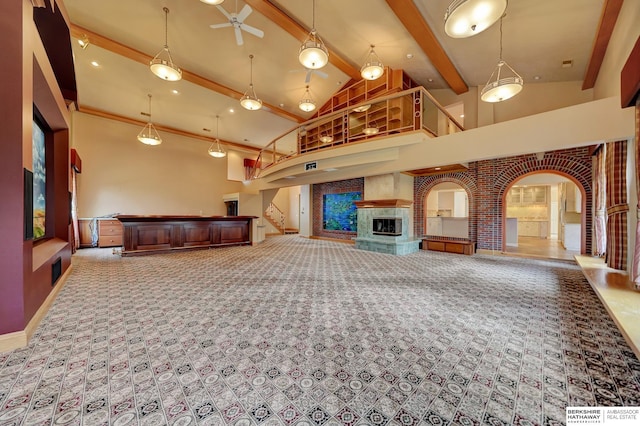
(121, 175)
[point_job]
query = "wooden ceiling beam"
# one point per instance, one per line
(608, 18)
(284, 21)
(412, 19)
(135, 55)
(161, 128)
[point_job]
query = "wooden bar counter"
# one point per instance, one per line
(149, 234)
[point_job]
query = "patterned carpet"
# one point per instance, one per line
(308, 332)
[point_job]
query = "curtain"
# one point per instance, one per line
(600, 202)
(74, 211)
(636, 254)
(617, 207)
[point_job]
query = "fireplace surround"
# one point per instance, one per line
(383, 226)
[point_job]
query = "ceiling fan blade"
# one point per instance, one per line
(252, 30)
(228, 24)
(246, 11)
(239, 40)
(224, 12)
(320, 73)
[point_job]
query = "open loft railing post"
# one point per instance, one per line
(399, 112)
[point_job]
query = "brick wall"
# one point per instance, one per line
(320, 189)
(487, 183)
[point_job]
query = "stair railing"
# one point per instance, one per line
(276, 216)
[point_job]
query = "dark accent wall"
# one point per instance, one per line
(320, 189)
(25, 266)
(488, 181)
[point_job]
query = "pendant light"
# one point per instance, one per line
(149, 135)
(162, 65)
(306, 104)
(313, 54)
(216, 150)
(504, 82)
(325, 136)
(371, 129)
(465, 18)
(372, 68)
(250, 101)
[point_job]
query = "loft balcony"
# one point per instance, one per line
(370, 125)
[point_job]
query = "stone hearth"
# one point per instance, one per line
(370, 240)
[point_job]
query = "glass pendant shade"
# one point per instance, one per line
(250, 100)
(326, 138)
(306, 104)
(149, 135)
(372, 68)
(162, 65)
(501, 88)
(504, 82)
(216, 150)
(313, 53)
(465, 18)
(371, 130)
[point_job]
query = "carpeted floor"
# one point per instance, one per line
(308, 332)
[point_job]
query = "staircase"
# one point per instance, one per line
(276, 217)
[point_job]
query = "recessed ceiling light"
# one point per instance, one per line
(95, 64)
(567, 63)
(231, 110)
(281, 105)
(175, 92)
(409, 55)
(430, 80)
(214, 2)
(461, 115)
(438, 168)
(536, 77)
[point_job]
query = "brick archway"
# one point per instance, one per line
(424, 187)
(555, 163)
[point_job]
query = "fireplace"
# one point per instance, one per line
(387, 226)
(384, 226)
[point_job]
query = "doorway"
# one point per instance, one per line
(543, 214)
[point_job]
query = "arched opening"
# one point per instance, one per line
(447, 211)
(544, 216)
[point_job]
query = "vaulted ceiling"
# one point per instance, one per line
(538, 35)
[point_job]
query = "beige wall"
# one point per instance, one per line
(622, 40)
(534, 99)
(121, 175)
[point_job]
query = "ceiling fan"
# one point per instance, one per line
(310, 71)
(236, 20)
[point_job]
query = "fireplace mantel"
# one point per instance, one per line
(394, 202)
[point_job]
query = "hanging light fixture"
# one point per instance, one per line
(306, 104)
(162, 65)
(149, 135)
(216, 150)
(371, 129)
(372, 68)
(313, 53)
(325, 137)
(465, 18)
(501, 86)
(250, 101)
